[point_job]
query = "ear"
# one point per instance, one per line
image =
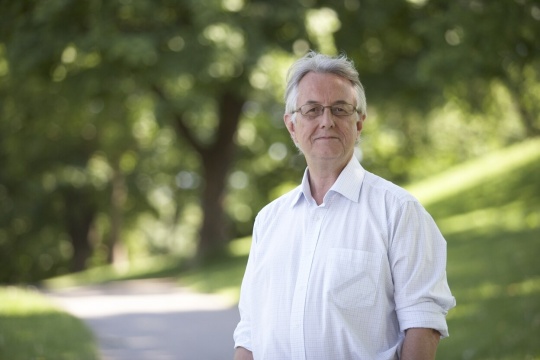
(360, 123)
(287, 118)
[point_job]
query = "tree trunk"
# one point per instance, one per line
(217, 161)
(80, 214)
(115, 251)
(526, 105)
(213, 232)
(529, 119)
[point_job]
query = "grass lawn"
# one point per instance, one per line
(32, 328)
(492, 225)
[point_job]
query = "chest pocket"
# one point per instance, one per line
(352, 278)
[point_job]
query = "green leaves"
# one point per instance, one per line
(175, 96)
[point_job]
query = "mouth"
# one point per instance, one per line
(326, 138)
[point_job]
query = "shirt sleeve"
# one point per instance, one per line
(242, 333)
(418, 259)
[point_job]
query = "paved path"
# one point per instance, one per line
(153, 320)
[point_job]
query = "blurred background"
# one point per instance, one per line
(136, 130)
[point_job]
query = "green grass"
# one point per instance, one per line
(489, 212)
(470, 175)
(31, 327)
(146, 268)
(491, 220)
(221, 276)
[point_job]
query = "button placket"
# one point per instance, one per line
(302, 283)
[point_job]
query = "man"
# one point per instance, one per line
(347, 265)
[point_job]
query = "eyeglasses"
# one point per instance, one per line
(314, 110)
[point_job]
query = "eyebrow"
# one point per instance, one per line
(334, 103)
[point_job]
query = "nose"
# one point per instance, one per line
(327, 118)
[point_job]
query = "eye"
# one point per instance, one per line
(311, 110)
(339, 110)
(342, 109)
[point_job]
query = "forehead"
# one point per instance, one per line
(325, 87)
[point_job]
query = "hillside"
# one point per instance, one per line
(489, 212)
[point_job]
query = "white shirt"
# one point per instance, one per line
(345, 279)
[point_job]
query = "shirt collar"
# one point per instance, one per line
(303, 191)
(348, 183)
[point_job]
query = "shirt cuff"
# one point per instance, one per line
(423, 318)
(242, 336)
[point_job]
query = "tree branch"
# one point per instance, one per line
(179, 126)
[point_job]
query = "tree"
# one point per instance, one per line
(116, 112)
(494, 42)
(418, 58)
(74, 67)
(430, 48)
(61, 112)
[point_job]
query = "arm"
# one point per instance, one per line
(242, 333)
(418, 261)
(242, 354)
(419, 344)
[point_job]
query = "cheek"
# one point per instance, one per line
(303, 132)
(350, 131)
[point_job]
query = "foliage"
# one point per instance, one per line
(446, 81)
(32, 328)
(138, 104)
(135, 128)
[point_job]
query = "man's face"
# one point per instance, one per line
(325, 137)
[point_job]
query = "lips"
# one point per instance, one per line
(326, 138)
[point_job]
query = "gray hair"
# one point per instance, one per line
(319, 63)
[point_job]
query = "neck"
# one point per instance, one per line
(322, 175)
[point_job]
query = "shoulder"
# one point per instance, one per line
(281, 205)
(381, 189)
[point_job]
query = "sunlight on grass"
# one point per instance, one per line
(223, 277)
(526, 287)
(240, 247)
(230, 293)
(488, 210)
(513, 216)
(141, 268)
(462, 311)
(487, 291)
(31, 327)
(145, 268)
(475, 172)
(490, 290)
(16, 301)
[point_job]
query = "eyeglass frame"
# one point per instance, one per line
(331, 107)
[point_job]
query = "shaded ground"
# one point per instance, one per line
(153, 320)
